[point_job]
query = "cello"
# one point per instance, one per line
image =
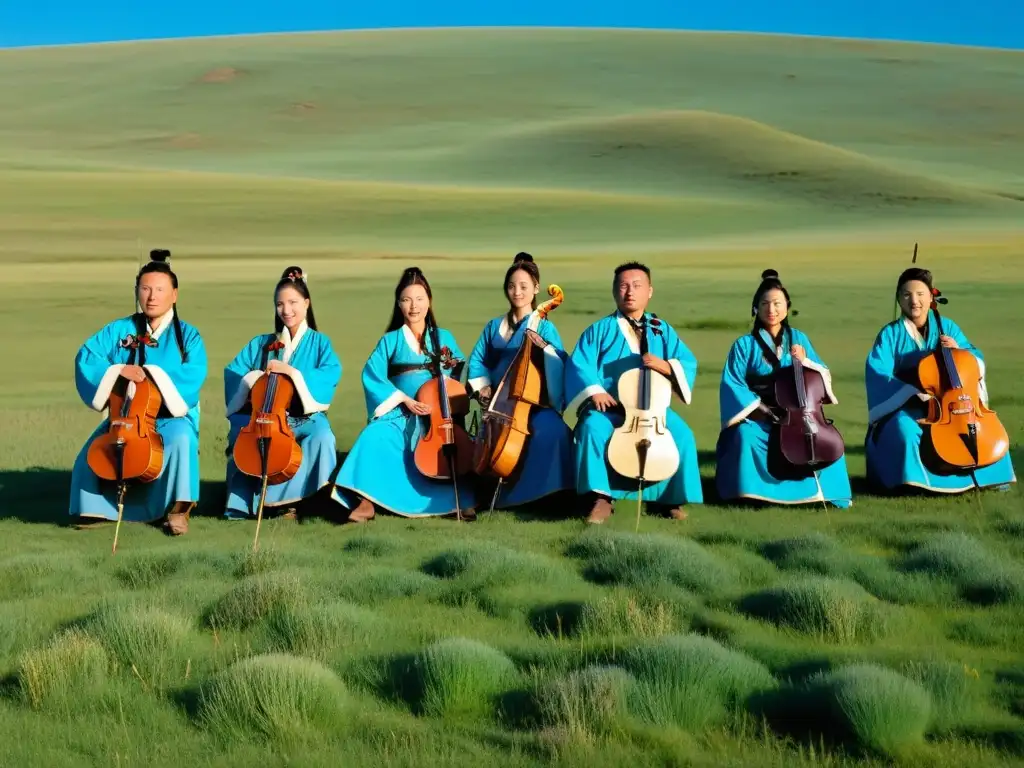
(444, 450)
(504, 428)
(131, 449)
(643, 448)
(266, 447)
(963, 431)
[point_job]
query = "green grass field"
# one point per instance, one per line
(887, 633)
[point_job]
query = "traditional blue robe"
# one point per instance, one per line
(547, 462)
(381, 466)
(742, 451)
(319, 372)
(605, 351)
(97, 368)
(893, 442)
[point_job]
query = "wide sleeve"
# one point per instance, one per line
(582, 377)
(736, 400)
(682, 362)
(814, 362)
(240, 374)
(554, 365)
(479, 375)
(181, 382)
(885, 391)
(315, 385)
(381, 395)
(95, 369)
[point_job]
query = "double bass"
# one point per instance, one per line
(444, 450)
(962, 430)
(643, 448)
(504, 428)
(805, 439)
(266, 447)
(131, 450)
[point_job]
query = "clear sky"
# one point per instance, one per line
(998, 23)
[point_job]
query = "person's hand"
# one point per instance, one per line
(420, 409)
(133, 373)
(277, 366)
(603, 401)
(655, 363)
(798, 352)
(484, 394)
(949, 341)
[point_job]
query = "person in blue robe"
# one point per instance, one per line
(299, 351)
(893, 444)
(606, 350)
(153, 343)
(746, 467)
(380, 470)
(546, 465)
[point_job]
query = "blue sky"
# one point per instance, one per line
(998, 23)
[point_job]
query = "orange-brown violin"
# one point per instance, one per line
(131, 449)
(266, 446)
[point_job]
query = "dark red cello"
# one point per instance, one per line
(806, 439)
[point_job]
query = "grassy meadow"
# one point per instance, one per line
(887, 633)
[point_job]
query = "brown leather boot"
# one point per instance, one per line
(176, 523)
(601, 510)
(468, 515)
(673, 512)
(363, 513)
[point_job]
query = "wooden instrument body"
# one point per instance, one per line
(134, 407)
(268, 432)
(505, 426)
(805, 437)
(448, 401)
(643, 447)
(963, 432)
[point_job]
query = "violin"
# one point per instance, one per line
(131, 450)
(963, 431)
(643, 448)
(444, 450)
(504, 428)
(805, 439)
(266, 447)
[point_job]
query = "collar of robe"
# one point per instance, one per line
(290, 342)
(162, 324)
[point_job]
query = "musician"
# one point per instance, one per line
(380, 470)
(547, 464)
(603, 353)
(895, 402)
(175, 361)
(746, 468)
(302, 353)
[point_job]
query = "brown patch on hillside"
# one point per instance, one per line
(186, 141)
(221, 75)
(302, 108)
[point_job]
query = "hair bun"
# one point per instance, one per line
(769, 274)
(160, 254)
(293, 273)
(413, 271)
(522, 256)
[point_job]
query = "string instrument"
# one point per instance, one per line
(805, 438)
(643, 448)
(444, 450)
(131, 450)
(963, 431)
(504, 429)
(266, 447)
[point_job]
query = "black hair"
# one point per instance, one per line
(769, 281)
(293, 277)
(411, 276)
(523, 261)
(160, 262)
(630, 265)
(914, 273)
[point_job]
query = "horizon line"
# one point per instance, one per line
(510, 27)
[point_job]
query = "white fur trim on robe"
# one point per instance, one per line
(826, 376)
(393, 401)
(172, 399)
(106, 386)
(241, 396)
(680, 379)
(744, 413)
(584, 394)
(554, 376)
(479, 382)
(309, 403)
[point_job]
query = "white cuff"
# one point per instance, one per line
(891, 404)
(826, 375)
(394, 400)
(241, 395)
(172, 399)
(680, 378)
(593, 389)
(982, 389)
(309, 404)
(479, 383)
(106, 386)
(744, 413)
(554, 377)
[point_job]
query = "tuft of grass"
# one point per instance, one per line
(372, 584)
(587, 702)
(831, 610)
(489, 564)
(616, 615)
(274, 696)
(956, 690)
(252, 600)
(649, 560)
(59, 677)
(264, 560)
(691, 681)
(457, 677)
(965, 562)
(374, 545)
(145, 570)
(319, 629)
